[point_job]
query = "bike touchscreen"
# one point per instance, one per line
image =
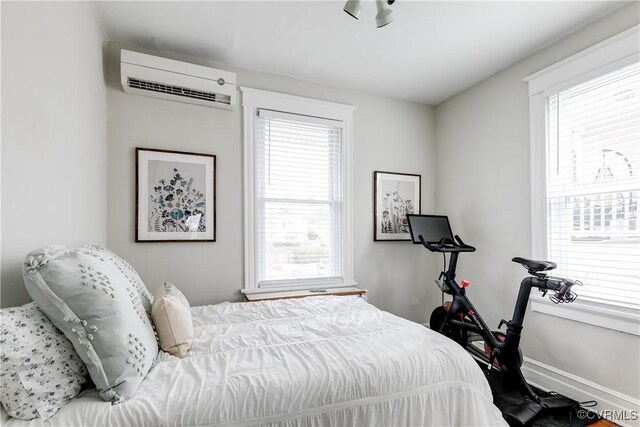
(432, 228)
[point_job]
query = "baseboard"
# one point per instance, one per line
(549, 378)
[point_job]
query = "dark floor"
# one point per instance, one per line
(506, 398)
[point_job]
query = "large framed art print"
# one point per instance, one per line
(395, 196)
(175, 196)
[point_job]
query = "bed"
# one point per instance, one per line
(314, 361)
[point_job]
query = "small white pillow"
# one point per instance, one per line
(171, 316)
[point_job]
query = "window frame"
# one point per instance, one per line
(254, 100)
(609, 55)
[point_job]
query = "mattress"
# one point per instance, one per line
(314, 361)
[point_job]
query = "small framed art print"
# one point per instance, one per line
(395, 196)
(175, 196)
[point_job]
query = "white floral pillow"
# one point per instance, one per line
(40, 369)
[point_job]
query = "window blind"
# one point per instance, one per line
(298, 221)
(593, 185)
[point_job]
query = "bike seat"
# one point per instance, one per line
(535, 266)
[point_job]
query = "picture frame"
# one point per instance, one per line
(175, 196)
(395, 195)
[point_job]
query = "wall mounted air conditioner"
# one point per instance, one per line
(177, 81)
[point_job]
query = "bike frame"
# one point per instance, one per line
(463, 315)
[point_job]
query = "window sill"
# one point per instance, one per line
(277, 295)
(298, 287)
(595, 313)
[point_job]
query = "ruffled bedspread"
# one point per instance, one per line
(321, 361)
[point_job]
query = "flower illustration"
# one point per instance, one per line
(176, 206)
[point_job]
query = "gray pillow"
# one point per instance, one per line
(40, 371)
(127, 271)
(98, 302)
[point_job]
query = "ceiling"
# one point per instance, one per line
(431, 51)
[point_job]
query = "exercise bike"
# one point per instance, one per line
(460, 321)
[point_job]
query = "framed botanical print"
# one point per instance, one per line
(175, 196)
(395, 196)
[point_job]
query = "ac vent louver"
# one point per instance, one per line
(178, 91)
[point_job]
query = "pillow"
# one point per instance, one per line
(171, 316)
(127, 271)
(41, 371)
(98, 303)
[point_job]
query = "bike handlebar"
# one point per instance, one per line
(447, 245)
(559, 285)
(562, 288)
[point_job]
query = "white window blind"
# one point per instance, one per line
(298, 199)
(593, 185)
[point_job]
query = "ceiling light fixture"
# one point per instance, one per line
(384, 16)
(352, 7)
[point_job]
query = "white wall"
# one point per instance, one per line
(53, 133)
(389, 135)
(482, 174)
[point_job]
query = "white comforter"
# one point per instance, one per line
(315, 361)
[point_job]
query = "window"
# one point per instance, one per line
(297, 221)
(593, 185)
(298, 198)
(585, 145)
